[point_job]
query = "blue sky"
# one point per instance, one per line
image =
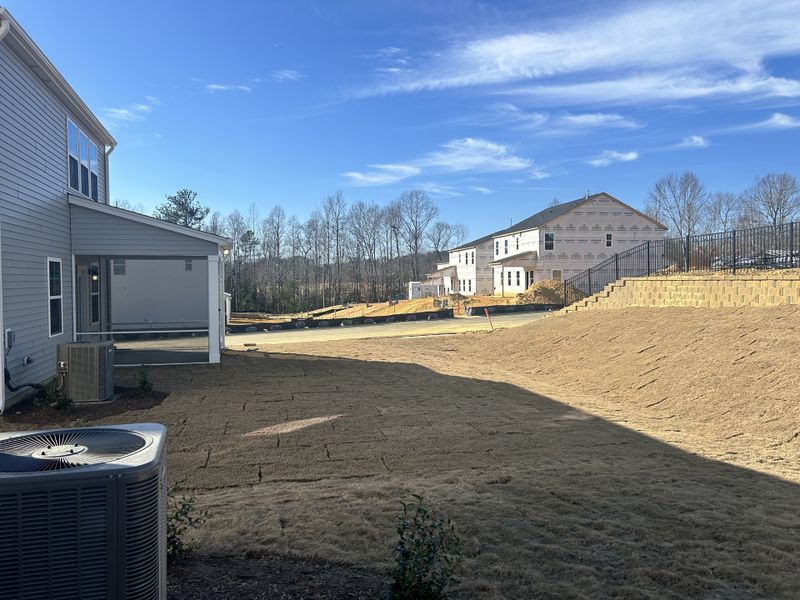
(495, 108)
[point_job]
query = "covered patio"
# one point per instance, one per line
(156, 289)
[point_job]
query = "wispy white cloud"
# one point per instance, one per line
(775, 121)
(391, 70)
(647, 52)
(609, 157)
(481, 189)
(458, 155)
(113, 117)
(539, 174)
(382, 174)
(391, 54)
(506, 113)
(283, 75)
(228, 87)
(693, 141)
(437, 189)
(474, 154)
(592, 120)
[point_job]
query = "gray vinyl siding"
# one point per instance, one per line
(98, 234)
(34, 215)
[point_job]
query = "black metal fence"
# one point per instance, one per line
(768, 247)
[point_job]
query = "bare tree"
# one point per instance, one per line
(417, 213)
(215, 223)
(440, 236)
(775, 198)
(459, 234)
(723, 211)
(679, 202)
(554, 202)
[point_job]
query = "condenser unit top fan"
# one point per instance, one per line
(67, 449)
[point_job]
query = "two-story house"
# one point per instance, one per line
(60, 240)
(554, 243)
(565, 239)
(467, 271)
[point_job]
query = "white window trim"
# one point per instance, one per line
(59, 297)
(609, 240)
(78, 191)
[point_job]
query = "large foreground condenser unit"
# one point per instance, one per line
(87, 369)
(83, 514)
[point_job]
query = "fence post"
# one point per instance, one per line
(686, 253)
(734, 252)
(589, 276)
(565, 292)
(616, 266)
(648, 258)
(791, 244)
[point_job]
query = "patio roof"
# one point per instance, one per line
(516, 260)
(100, 229)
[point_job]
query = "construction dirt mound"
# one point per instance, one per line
(548, 291)
(726, 373)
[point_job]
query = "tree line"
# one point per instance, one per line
(683, 203)
(343, 252)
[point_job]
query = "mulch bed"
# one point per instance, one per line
(126, 399)
(200, 577)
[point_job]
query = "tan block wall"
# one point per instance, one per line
(774, 289)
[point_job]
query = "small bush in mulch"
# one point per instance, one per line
(144, 385)
(427, 554)
(182, 516)
(51, 396)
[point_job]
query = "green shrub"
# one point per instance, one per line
(51, 396)
(144, 385)
(182, 515)
(427, 554)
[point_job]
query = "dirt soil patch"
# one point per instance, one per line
(272, 578)
(642, 453)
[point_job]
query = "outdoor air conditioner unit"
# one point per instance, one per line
(83, 514)
(88, 370)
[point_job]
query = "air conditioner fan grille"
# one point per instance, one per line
(67, 449)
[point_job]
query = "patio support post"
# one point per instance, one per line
(213, 309)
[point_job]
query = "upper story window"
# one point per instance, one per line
(609, 240)
(82, 162)
(497, 247)
(549, 240)
(517, 238)
(473, 257)
(187, 264)
(459, 258)
(505, 244)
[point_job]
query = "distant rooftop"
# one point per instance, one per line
(544, 216)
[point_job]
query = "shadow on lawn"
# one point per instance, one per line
(551, 502)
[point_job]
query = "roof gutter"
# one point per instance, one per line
(5, 25)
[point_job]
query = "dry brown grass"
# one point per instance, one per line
(645, 453)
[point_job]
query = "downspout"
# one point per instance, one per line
(106, 154)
